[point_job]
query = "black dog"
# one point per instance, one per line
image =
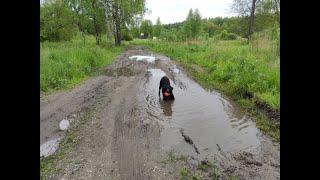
(166, 88)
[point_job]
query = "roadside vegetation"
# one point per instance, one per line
(76, 38)
(64, 64)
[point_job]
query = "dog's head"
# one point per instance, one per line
(167, 90)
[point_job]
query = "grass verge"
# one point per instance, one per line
(65, 64)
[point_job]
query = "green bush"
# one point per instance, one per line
(224, 35)
(56, 22)
(127, 37)
(231, 36)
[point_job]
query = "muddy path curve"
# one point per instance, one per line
(128, 131)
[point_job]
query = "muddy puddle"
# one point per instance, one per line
(208, 119)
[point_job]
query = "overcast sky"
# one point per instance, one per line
(171, 11)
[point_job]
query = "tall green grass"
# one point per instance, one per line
(235, 67)
(64, 64)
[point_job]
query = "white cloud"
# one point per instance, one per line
(171, 11)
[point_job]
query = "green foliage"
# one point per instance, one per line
(210, 28)
(173, 158)
(146, 28)
(56, 22)
(195, 27)
(135, 32)
(233, 177)
(157, 28)
(126, 35)
(192, 25)
(64, 64)
(224, 35)
(184, 173)
(232, 36)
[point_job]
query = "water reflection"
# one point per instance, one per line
(166, 107)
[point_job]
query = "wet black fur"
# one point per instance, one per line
(165, 86)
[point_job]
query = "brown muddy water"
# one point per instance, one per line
(208, 119)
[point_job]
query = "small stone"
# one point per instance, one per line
(64, 124)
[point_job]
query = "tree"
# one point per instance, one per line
(77, 7)
(56, 21)
(96, 13)
(121, 13)
(253, 8)
(210, 28)
(196, 25)
(146, 28)
(157, 28)
(192, 25)
(267, 12)
(246, 8)
(89, 16)
(188, 24)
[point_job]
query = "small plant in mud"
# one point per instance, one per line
(233, 177)
(214, 174)
(173, 158)
(186, 174)
(205, 165)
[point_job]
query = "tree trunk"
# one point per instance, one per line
(278, 10)
(250, 28)
(80, 25)
(117, 22)
(117, 36)
(108, 19)
(96, 26)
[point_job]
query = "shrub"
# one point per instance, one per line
(56, 22)
(224, 35)
(231, 36)
(127, 37)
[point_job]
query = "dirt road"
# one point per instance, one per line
(122, 130)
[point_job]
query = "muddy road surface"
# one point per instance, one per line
(125, 131)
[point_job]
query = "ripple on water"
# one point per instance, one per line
(206, 117)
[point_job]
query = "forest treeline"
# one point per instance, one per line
(118, 20)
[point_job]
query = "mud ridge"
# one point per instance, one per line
(189, 140)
